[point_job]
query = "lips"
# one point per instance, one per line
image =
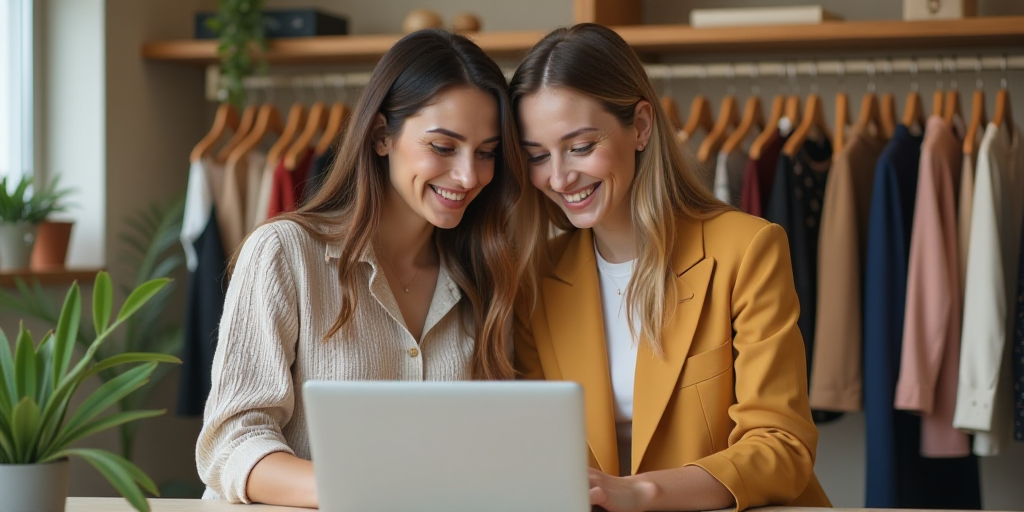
(449, 194)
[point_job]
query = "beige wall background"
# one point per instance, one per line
(119, 129)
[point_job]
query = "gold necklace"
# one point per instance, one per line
(405, 287)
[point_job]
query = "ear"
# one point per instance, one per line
(381, 140)
(643, 122)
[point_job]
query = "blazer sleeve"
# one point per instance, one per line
(252, 395)
(770, 458)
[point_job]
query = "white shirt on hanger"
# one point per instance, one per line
(984, 402)
(622, 347)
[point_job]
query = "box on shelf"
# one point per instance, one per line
(939, 9)
(285, 23)
(749, 16)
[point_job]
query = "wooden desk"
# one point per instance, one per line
(158, 505)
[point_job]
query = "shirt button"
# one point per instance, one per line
(413, 352)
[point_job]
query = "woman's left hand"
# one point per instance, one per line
(619, 494)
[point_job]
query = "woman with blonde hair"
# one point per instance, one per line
(676, 313)
(401, 267)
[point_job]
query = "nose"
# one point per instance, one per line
(465, 172)
(561, 176)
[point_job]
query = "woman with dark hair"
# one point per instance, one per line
(676, 313)
(401, 267)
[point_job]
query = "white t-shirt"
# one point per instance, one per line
(622, 346)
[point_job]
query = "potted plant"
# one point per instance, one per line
(21, 210)
(37, 382)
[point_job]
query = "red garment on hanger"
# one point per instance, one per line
(288, 186)
(759, 176)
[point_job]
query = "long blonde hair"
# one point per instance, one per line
(481, 252)
(596, 61)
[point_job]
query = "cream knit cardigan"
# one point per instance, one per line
(283, 298)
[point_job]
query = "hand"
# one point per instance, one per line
(619, 494)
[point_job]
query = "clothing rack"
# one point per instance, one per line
(939, 67)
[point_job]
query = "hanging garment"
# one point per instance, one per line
(965, 204)
(930, 358)
(240, 189)
(796, 201)
(896, 474)
(318, 171)
(1018, 351)
(204, 254)
(690, 143)
(287, 191)
(984, 404)
(265, 191)
(836, 367)
(729, 169)
(759, 176)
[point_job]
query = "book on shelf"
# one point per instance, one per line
(753, 16)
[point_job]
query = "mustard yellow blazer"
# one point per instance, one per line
(729, 394)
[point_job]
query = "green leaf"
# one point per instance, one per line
(8, 390)
(44, 369)
(24, 365)
(121, 474)
(67, 331)
(102, 302)
(140, 296)
(131, 357)
(24, 430)
(6, 445)
(71, 436)
(110, 393)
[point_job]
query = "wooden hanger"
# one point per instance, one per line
(938, 100)
(842, 121)
(293, 125)
(951, 110)
(978, 121)
(887, 115)
(245, 125)
(226, 118)
(335, 126)
(315, 124)
(793, 109)
(700, 117)
(870, 114)
(770, 127)
(268, 121)
(753, 116)
(671, 109)
(913, 113)
(728, 118)
(813, 118)
(1003, 113)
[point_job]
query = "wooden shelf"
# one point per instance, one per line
(56, 276)
(831, 36)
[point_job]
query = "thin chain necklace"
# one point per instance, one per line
(405, 287)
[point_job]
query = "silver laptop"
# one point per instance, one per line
(448, 446)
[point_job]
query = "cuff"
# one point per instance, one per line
(243, 458)
(974, 408)
(910, 396)
(723, 469)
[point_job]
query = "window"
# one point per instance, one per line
(16, 101)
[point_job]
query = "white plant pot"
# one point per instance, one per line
(16, 241)
(34, 487)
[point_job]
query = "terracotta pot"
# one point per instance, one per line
(16, 241)
(51, 248)
(34, 487)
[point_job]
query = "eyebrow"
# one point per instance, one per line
(565, 137)
(461, 137)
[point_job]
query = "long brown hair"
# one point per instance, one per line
(597, 62)
(478, 253)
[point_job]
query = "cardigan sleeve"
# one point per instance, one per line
(770, 457)
(252, 395)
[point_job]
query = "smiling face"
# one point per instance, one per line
(443, 155)
(580, 155)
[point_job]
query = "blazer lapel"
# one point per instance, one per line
(656, 377)
(581, 352)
